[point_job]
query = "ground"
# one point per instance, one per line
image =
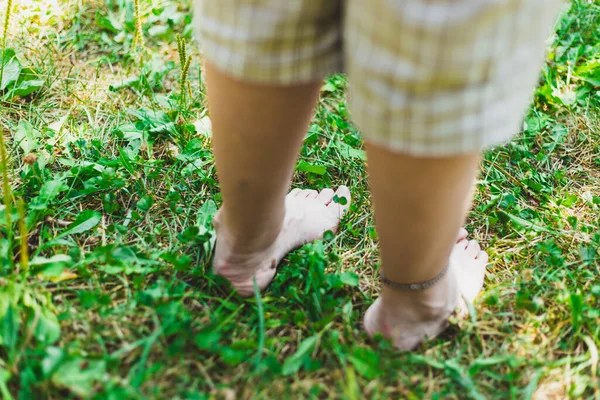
(108, 156)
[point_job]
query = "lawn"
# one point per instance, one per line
(109, 191)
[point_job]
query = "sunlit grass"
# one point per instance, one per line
(119, 189)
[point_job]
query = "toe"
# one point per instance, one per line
(308, 194)
(370, 319)
(483, 257)
(462, 234)
(325, 196)
(462, 244)
(472, 282)
(473, 248)
(294, 192)
(342, 193)
(312, 195)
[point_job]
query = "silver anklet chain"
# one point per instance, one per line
(413, 286)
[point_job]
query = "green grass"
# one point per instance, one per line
(117, 301)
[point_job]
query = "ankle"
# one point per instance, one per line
(432, 303)
(246, 240)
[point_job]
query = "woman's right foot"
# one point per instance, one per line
(308, 215)
(408, 318)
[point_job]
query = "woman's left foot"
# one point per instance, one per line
(408, 318)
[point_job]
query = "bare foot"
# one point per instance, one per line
(308, 215)
(408, 318)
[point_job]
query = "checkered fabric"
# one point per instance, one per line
(427, 77)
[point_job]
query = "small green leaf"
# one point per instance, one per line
(25, 88)
(192, 151)
(195, 166)
(348, 152)
(206, 213)
(10, 329)
(27, 137)
(233, 357)
(349, 278)
(366, 362)
(12, 68)
(328, 87)
(588, 254)
(48, 192)
(577, 305)
(483, 362)
(56, 259)
(27, 83)
(145, 203)
(293, 363)
(523, 223)
(328, 236)
(47, 329)
(4, 378)
(462, 378)
(109, 23)
(51, 267)
(133, 81)
(312, 168)
(569, 200)
(207, 340)
(85, 221)
(125, 161)
(78, 375)
(54, 356)
(340, 200)
(51, 189)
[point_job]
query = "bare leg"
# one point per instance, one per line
(420, 204)
(257, 134)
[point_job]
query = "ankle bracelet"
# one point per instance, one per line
(413, 286)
